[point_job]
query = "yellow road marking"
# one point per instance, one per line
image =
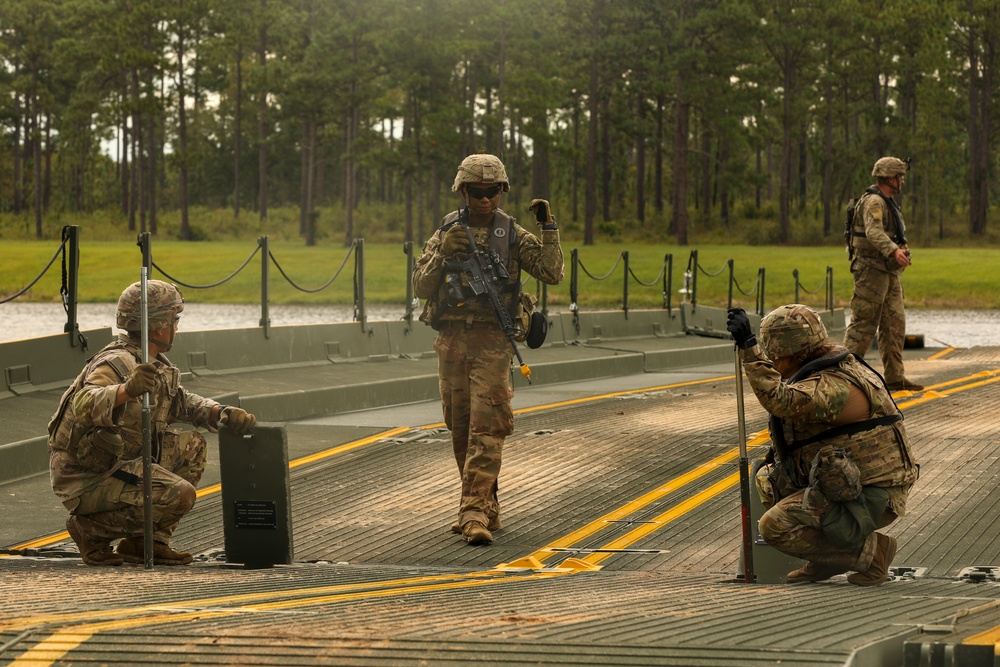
(327, 453)
(60, 643)
(600, 523)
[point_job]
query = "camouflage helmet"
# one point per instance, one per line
(791, 331)
(887, 167)
(481, 168)
(164, 303)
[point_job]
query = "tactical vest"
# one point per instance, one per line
(786, 446)
(859, 240)
(502, 237)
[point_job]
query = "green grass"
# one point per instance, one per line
(940, 278)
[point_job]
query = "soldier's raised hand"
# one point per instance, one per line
(540, 207)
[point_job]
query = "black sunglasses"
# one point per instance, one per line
(489, 193)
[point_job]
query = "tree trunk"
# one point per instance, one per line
(182, 131)
(679, 216)
(262, 115)
(640, 159)
(590, 193)
(828, 162)
(238, 131)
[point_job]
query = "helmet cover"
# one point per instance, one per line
(887, 167)
(164, 302)
(791, 330)
(481, 168)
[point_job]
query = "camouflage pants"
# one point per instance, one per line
(113, 509)
(795, 528)
(877, 306)
(473, 376)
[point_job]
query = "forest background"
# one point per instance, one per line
(676, 122)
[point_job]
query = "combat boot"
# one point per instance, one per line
(813, 572)
(132, 549)
(475, 532)
(494, 524)
(904, 385)
(92, 553)
(878, 571)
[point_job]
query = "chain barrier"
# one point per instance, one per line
(663, 277)
(145, 244)
(60, 249)
(826, 286)
(69, 251)
(691, 283)
(215, 284)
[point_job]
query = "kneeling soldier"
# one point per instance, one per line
(841, 465)
(95, 438)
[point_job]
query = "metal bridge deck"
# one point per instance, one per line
(620, 545)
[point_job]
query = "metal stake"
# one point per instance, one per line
(748, 575)
(147, 437)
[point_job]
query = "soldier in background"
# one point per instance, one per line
(840, 466)
(879, 255)
(474, 354)
(95, 438)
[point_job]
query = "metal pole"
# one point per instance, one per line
(748, 576)
(147, 436)
(265, 258)
(72, 233)
(625, 284)
(410, 301)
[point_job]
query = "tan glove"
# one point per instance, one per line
(237, 419)
(543, 216)
(143, 379)
(455, 240)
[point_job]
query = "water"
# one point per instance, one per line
(954, 328)
(31, 320)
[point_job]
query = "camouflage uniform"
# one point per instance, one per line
(877, 303)
(807, 408)
(474, 358)
(95, 448)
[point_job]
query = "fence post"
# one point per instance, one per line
(761, 278)
(146, 247)
(795, 274)
(265, 258)
(729, 262)
(359, 284)
(625, 285)
(410, 301)
(72, 233)
(693, 267)
(574, 293)
(829, 288)
(668, 279)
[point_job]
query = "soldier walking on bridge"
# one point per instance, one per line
(840, 464)
(475, 327)
(96, 438)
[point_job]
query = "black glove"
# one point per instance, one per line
(143, 379)
(739, 326)
(455, 240)
(237, 419)
(543, 216)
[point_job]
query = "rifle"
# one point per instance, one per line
(486, 273)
